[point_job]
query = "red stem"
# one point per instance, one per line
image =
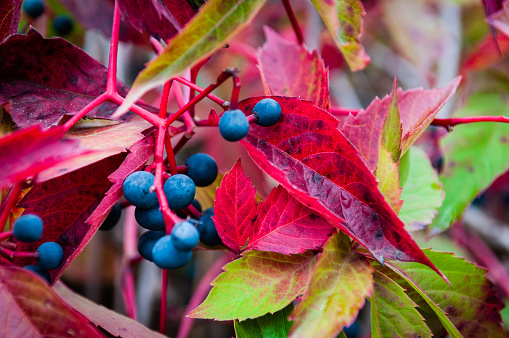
(235, 91)
(9, 204)
(111, 84)
(200, 293)
(162, 309)
(130, 251)
(12, 254)
(293, 21)
(343, 111)
(84, 111)
(252, 118)
(5, 235)
(194, 76)
(450, 123)
(199, 89)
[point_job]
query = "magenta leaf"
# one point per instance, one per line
(289, 69)
(286, 226)
(310, 157)
(235, 208)
(29, 308)
(64, 204)
(10, 14)
(26, 152)
(160, 18)
(43, 79)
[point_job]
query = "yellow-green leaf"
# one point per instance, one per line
(387, 174)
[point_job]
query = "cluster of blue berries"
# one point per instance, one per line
(62, 24)
(234, 124)
(173, 250)
(28, 228)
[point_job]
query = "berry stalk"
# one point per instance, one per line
(451, 122)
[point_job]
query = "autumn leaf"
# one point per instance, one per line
(387, 174)
(340, 282)
(10, 14)
(271, 325)
(256, 284)
(289, 69)
(319, 167)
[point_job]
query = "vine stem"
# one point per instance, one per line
(199, 89)
(343, 111)
(200, 293)
(293, 21)
(451, 122)
(129, 253)
(9, 204)
(5, 235)
(12, 254)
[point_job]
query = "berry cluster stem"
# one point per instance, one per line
(293, 21)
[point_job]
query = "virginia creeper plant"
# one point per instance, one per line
(326, 236)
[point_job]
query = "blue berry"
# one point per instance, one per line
(112, 218)
(62, 24)
(209, 211)
(33, 8)
(147, 241)
(51, 255)
(151, 219)
(202, 169)
(233, 125)
(179, 190)
(208, 232)
(166, 256)
(268, 112)
(28, 228)
(38, 270)
(137, 189)
(185, 236)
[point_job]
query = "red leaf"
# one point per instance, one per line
(43, 79)
(160, 18)
(235, 208)
(10, 14)
(64, 204)
(286, 226)
(26, 152)
(306, 153)
(289, 69)
(29, 308)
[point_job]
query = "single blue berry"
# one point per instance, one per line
(38, 270)
(209, 211)
(268, 112)
(208, 232)
(166, 256)
(112, 218)
(51, 255)
(185, 236)
(147, 241)
(33, 8)
(151, 219)
(179, 190)
(28, 228)
(183, 213)
(63, 24)
(137, 190)
(202, 169)
(233, 125)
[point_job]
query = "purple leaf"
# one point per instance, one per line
(10, 14)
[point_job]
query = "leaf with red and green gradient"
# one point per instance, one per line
(10, 14)
(256, 284)
(487, 53)
(471, 303)
(112, 322)
(393, 128)
(387, 174)
(29, 308)
(210, 29)
(422, 191)
(161, 19)
(64, 204)
(474, 156)
(393, 313)
(26, 152)
(103, 141)
(340, 283)
(235, 208)
(309, 157)
(268, 326)
(286, 226)
(289, 69)
(343, 18)
(41, 80)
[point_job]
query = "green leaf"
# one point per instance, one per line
(274, 325)
(339, 286)
(474, 155)
(393, 128)
(343, 18)
(387, 174)
(422, 193)
(471, 304)
(256, 284)
(215, 23)
(393, 313)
